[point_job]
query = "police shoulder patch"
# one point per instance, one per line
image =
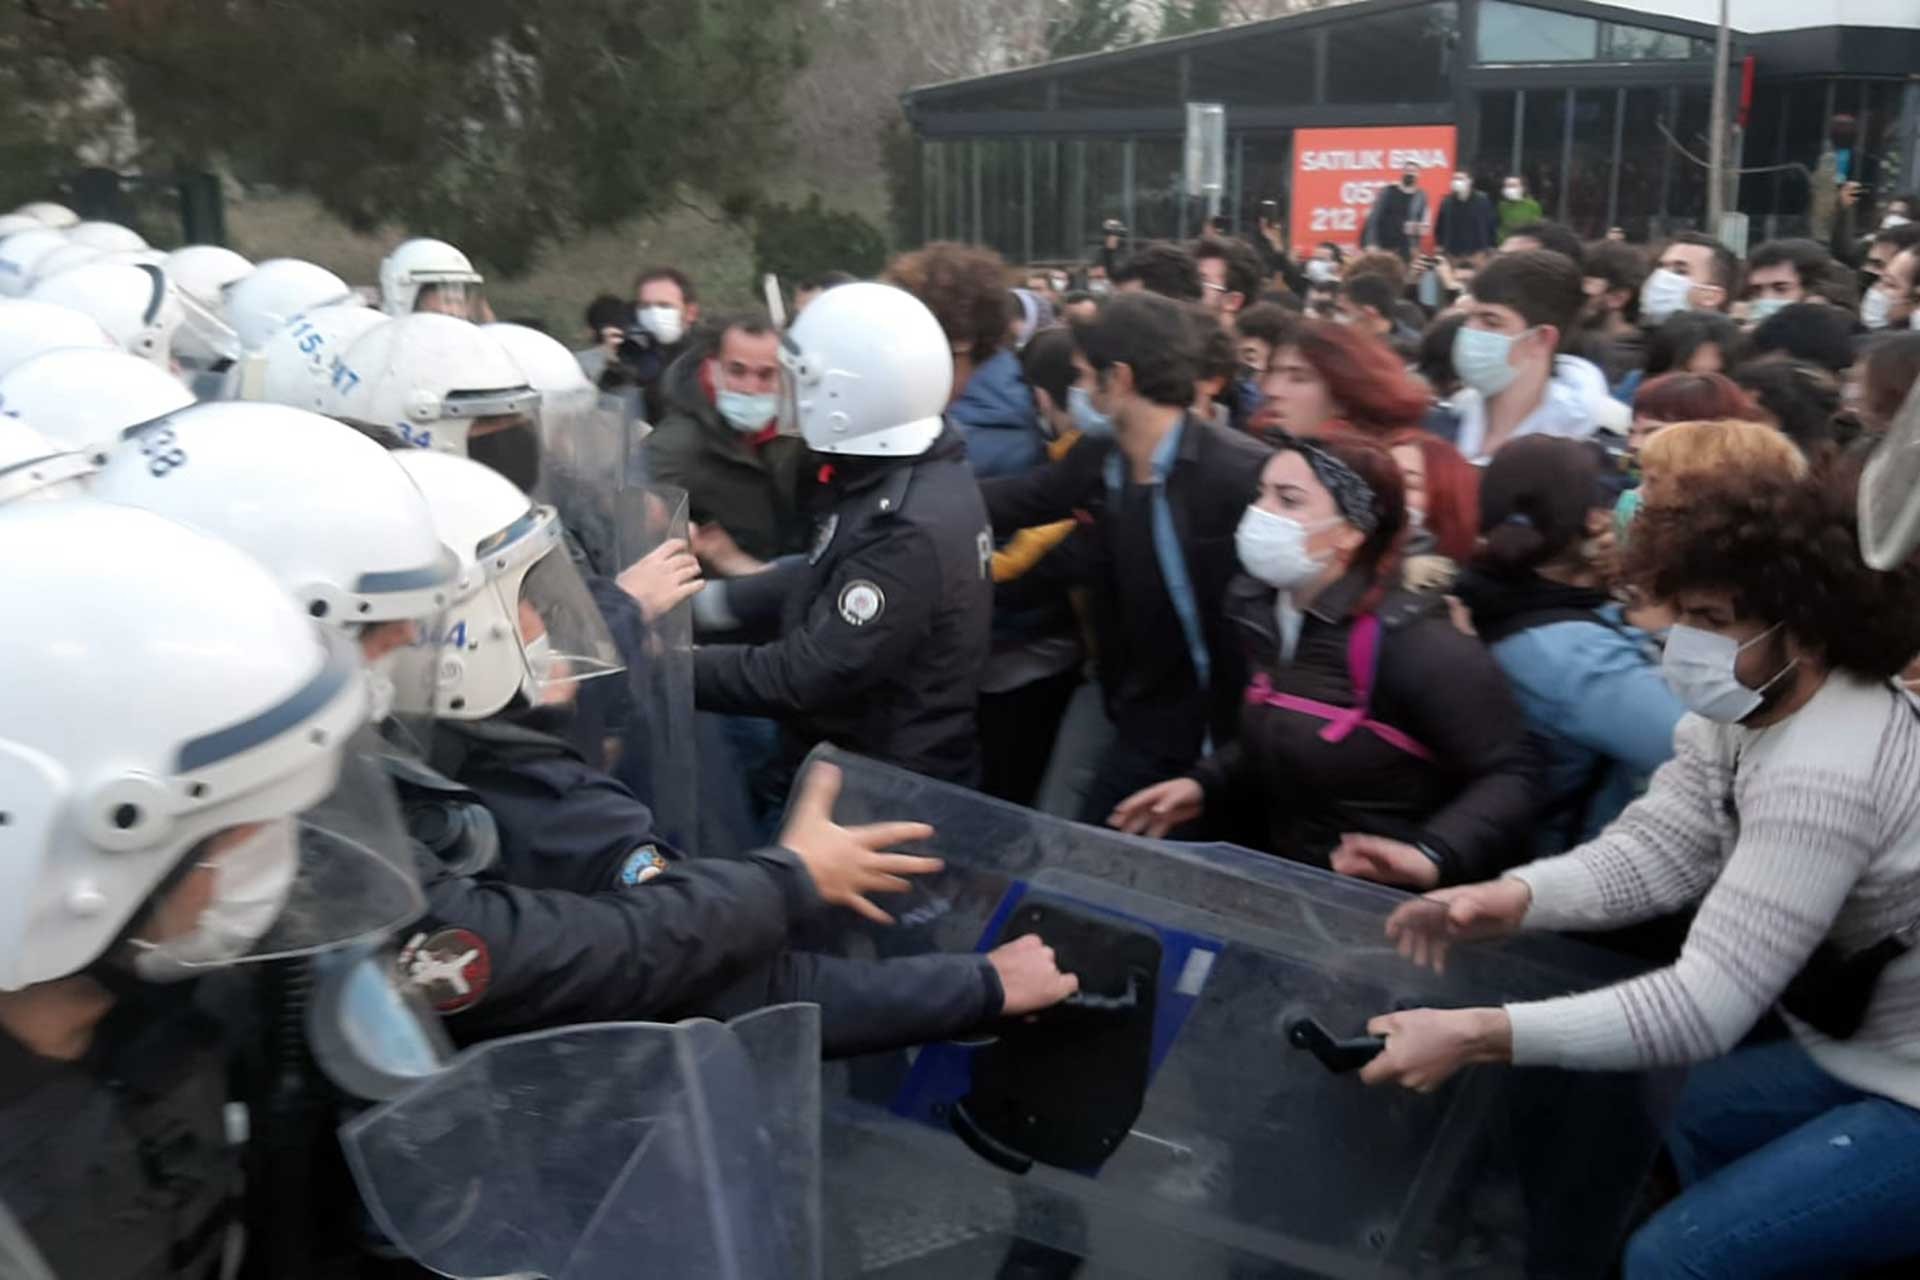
(642, 865)
(861, 602)
(450, 969)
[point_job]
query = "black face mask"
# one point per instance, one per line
(512, 451)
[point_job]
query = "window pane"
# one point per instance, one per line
(1593, 112)
(1105, 193)
(1264, 177)
(1687, 198)
(1516, 33)
(1493, 159)
(1048, 242)
(1157, 190)
(1634, 44)
(1394, 57)
(1540, 144)
(1254, 71)
(1001, 197)
(1643, 153)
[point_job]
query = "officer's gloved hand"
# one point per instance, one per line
(848, 863)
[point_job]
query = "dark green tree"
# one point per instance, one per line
(809, 240)
(1184, 17)
(1090, 26)
(499, 124)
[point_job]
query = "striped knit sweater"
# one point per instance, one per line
(1787, 836)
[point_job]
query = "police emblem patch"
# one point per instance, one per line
(450, 969)
(861, 602)
(642, 865)
(824, 538)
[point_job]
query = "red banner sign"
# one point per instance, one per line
(1337, 171)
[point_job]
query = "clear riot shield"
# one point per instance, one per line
(607, 1151)
(19, 1260)
(1177, 1120)
(583, 468)
(654, 749)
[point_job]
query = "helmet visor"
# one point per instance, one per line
(340, 871)
(203, 338)
(403, 669)
(563, 639)
(793, 372)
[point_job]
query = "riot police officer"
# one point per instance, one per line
(173, 757)
(884, 627)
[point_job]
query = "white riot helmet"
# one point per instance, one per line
(296, 365)
(20, 256)
(204, 272)
(15, 222)
(429, 378)
(49, 214)
(417, 264)
(567, 397)
(522, 621)
(65, 258)
(135, 303)
(167, 715)
(107, 237)
(84, 397)
(329, 513)
(278, 290)
(866, 371)
(33, 466)
(29, 328)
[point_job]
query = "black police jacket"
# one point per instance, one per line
(587, 916)
(885, 628)
(117, 1165)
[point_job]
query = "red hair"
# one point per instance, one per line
(1363, 376)
(1453, 493)
(1694, 397)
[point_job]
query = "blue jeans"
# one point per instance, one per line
(1789, 1172)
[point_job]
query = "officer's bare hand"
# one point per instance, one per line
(848, 863)
(721, 554)
(663, 578)
(1030, 976)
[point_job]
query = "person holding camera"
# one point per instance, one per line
(657, 331)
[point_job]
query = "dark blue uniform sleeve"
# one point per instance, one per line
(864, 624)
(867, 1006)
(624, 954)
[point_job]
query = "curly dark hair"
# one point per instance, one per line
(1789, 551)
(965, 287)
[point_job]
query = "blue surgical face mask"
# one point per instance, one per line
(1087, 419)
(745, 413)
(1764, 309)
(1483, 359)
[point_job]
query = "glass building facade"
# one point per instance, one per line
(1600, 108)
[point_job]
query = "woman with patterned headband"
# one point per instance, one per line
(1375, 738)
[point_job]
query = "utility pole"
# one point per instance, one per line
(1717, 129)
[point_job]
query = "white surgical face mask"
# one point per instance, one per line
(745, 413)
(1461, 186)
(1876, 308)
(1664, 294)
(1766, 308)
(380, 688)
(1484, 359)
(1320, 271)
(1273, 548)
(1087, 419)
(1512, 191)
(1700, 667)
(1893, 220)
(251, 882)
(666, 324)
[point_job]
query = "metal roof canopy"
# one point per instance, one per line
(933, 95)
